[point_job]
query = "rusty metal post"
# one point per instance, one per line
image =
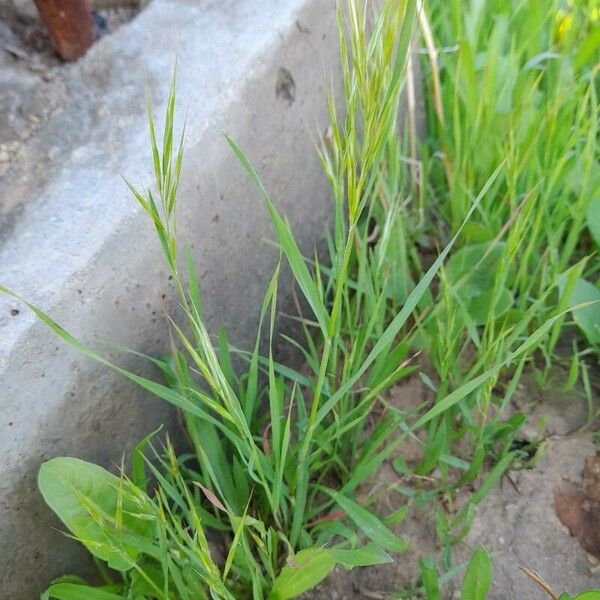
(70, 25)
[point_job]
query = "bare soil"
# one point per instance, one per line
(517, 522)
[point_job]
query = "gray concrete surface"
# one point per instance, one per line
(74, 242)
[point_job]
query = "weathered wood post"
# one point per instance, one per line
(70, 25)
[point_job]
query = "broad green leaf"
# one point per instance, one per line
(477, 233)
(588, 317)
(138, 473)
(474, 467)
(429, 579)
(70, 579)
(477, 265)
(587, 53)
(235, 544)
(309, 567)
(303, 571)
(368, 555)
(480, 306)
(472, 269)
(454, 461)
(145, 581)
(225, 357)
(74, 591)
(432, 450)
(193, 286)
(370, 525)
(478, 577)
(87, 499)
(336, 529)
(593, 217)
(589, 595)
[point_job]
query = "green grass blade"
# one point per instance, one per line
(287, 243)
(370, 524)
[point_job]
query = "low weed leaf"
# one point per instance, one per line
(593, 219)
(370, 525)
(367, 556)
(429, 579)
(478, 576)
(304, 571)
(480, 306)
(588, 317)
(86, 498)
(74, 591)
(138, 472)
(477, 264)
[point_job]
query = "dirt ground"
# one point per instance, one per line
(516, 522)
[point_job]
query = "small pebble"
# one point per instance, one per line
(100, 21)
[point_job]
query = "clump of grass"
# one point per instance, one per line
(513, 84)
(269, 460)
(278, 453)
(518, 86)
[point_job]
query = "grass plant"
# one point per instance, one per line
(475, 251)
(511, 84)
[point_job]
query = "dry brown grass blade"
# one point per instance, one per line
(433, 61)
(534, 576)
(412, 119)
(432, 53)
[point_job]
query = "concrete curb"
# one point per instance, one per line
(81, 249)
